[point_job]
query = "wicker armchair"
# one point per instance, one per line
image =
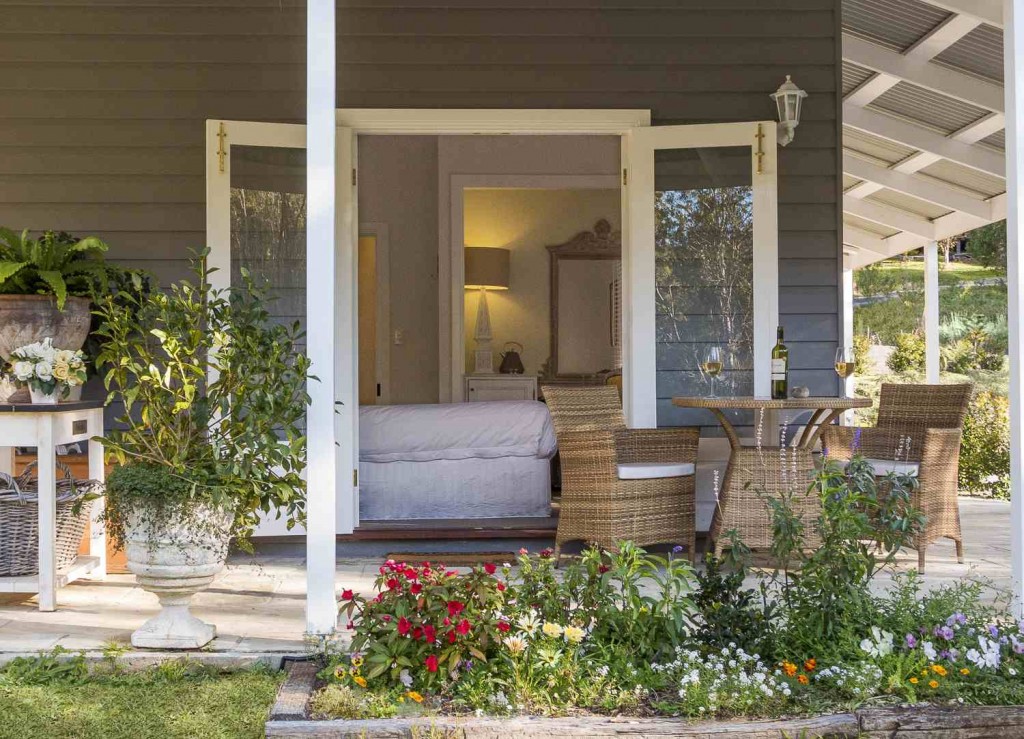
(918, 430)
(618, 483)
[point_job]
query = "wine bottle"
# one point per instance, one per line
(780, 369)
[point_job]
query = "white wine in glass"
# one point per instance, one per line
(712, 367)
(846, 365)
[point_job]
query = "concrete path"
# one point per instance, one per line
(258, 601)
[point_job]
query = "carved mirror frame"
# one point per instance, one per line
(601, 243)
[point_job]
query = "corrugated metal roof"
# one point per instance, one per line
(875, 147)
(965, 178)
(896, 24)
(925, 107)
(874, 228)
(996, 140)
(854, 77)
(979, 52)
(908, 203)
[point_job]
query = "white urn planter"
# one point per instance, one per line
(175, 559)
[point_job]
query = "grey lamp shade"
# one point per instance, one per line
(486, 267)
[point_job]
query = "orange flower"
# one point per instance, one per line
(939, 670)
(789, 668)
(415, 696)
(810, 664)
(359, 680)
(802, 679)
(964, 671)
(933, 684)
(913, 681)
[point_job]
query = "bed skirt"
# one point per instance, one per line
(461, 488)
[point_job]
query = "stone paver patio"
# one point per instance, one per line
(258, 601)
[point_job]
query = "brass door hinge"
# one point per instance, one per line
(355, 478)
(221, 150)
(625, 176)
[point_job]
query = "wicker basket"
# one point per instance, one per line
(19, 521)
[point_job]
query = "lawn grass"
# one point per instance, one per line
(160, 703)
(908, 275)
(902, 314)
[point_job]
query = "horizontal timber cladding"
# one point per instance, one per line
(102, 104)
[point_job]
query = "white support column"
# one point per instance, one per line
(931, 312)
(848, 385)
(321, 182)
(1013, 60)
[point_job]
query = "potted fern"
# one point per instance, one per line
(45, 290)
(211, 437)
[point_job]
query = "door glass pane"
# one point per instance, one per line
(704, 273)
(268, 226)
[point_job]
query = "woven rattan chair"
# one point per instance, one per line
(918, 431)
(617, 483)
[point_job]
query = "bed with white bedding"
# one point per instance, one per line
(456, 460)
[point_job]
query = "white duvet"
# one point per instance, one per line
(424, 433)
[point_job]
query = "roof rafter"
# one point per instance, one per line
(952, 224)
(864, 240)
(929, 190)
(923, 73)
(887, 215)
(924, 139)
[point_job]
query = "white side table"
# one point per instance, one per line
(495, 386)
(45, 427)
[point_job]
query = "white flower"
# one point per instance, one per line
(44, 370)
(23, 371)
(879, 645)
(929, 651)
(405, 678)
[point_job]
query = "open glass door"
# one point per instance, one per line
(256, 220)
(701, 263)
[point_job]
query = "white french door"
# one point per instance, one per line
(256, 217)
(700, 259)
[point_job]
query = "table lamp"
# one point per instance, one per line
(486, 269)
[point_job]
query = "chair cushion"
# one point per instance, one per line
(654, 470)
(883, 467)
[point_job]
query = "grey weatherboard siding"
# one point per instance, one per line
(103, 103)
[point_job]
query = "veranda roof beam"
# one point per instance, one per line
(924, 139)
(987, 11)
(951, 224)
(929, 190)
(864, 240)
(923, 73)
(887, 215)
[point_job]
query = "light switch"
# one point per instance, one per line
(399, 337)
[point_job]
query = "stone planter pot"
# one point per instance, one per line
(26, 319)
(39, 397)
(174, 560)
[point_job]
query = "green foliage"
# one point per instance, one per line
(823, 575)
(985, 449)
(56, 666)
(342, 701)
(988, 244)
(877, 279)
(146, 486)
(55, 264)
(237, 441)
(727, 613)
(909, 353)
(861, 350)
(902, 314)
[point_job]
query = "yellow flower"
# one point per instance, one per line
(353, 671)
(933, 684)
(339, 671)
(574, 634)
(415, 696)
(360, 681)
(924, 673)
(939, 670)
(913, 681)
(551, 629)
(964, 671)
(61, 371)
(357, 662)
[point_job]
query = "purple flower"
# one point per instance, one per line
(677, 549)
(944, 654)
(467, 665)
(1018, 646)
(945, 632)
(856, 438)
(957, 619)
(993, 631)
(911, 641)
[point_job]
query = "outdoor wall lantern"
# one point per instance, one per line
(788, 99)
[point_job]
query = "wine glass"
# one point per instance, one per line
(712, 367)
(846, 365)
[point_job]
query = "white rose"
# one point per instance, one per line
(44, 370)
(23, 370)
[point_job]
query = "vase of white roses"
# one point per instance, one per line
(49, 373)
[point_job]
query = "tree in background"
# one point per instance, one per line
(988, 244)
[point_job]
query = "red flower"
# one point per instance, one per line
(545, 553)
(410, 573)
(451, 637)
(429, 633)
(350, 625)
(386, 618)
(451, 573)
(455, 607)
(378, 598)
(490, 568)
(463, 627)
(447, 621)
(347, 595)
(501, 587)
(417, 633)
(503, 626)
(392, 583)
(404, 626)
(524, 550)
(603, 569)
(416, 588)
(431, 663)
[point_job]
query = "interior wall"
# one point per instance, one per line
(526, 221)
(398, 186)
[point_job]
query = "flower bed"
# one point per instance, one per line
(629, 633)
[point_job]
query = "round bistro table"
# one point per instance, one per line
(755, 472)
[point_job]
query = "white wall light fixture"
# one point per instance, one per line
(788, 99)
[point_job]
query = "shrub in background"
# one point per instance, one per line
(861, 350)
(908, 354)
(985, 450)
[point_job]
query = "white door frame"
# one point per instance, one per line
(639, 332)
(383, 278)
(453, 372)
